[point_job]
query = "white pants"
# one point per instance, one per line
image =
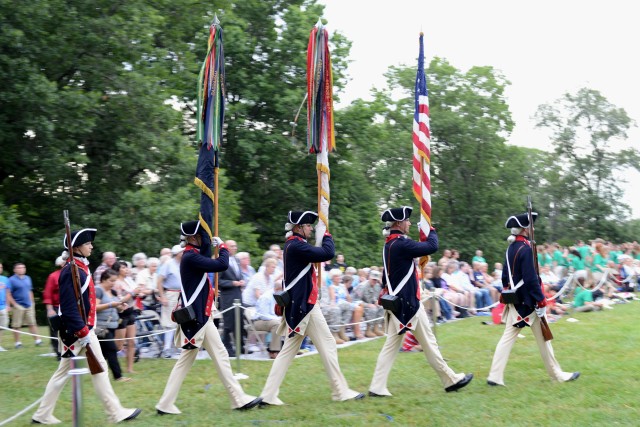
(101, 384)
(427, 340)
(219, 356)
(318, 330)
(509, 337)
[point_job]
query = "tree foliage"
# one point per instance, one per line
(587, 132)
(98, 118)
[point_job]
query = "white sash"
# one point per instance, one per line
(404, 280)
(297, 279)
(195, 294)
(521, 282)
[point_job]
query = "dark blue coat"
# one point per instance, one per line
(192, 267)
(298, 253)
(522, 268)
(399, 254)
(72, 325)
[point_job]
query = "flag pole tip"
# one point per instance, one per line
(319, 23)
(215, 21)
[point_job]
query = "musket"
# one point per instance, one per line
(94, 365)
(544, 326)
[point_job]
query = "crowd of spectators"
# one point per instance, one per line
(583, 277)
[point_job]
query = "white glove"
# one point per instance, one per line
(84, 341)
(541, 311)
(216, 241)
(320, 229)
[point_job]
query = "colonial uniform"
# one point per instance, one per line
(201, 331)
(520, 265)
(398, 259)
(72, 328)
(303, 316)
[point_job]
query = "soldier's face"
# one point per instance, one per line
(85, 249)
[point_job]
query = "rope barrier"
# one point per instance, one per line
(8, 420)
(357, 323)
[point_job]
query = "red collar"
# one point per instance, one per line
(295, 236)
(521, 238)
(393, 236)
(191, 248)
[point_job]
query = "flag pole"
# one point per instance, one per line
(216, 251)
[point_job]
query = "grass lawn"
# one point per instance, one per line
(603, 346)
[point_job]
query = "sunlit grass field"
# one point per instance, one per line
(603, 346)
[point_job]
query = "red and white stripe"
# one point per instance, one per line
(421, 164)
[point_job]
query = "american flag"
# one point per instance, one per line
(422, 148)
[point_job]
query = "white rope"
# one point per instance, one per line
(27, 333)
(8, 420)
(357, 323)
(468, 308)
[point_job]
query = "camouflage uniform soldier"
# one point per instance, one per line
(370, 290)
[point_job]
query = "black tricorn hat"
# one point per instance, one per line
(190, 228)
(397, 214)
(299, 217)
(80, 237)
(521, 220)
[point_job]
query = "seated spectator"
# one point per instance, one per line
(265, 318)
(583, 298)
(431, 305)
(447, 296)
(553, 307)
(353, 273)
(548, 277)
(477, 279)
(260, 282)
(350, 311)
(369, 292)
(330, 311)
(479, 258)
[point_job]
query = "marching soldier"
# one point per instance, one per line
(302, 315)
(525, 305)
(196, 328)
(75, 334)
(403, 310)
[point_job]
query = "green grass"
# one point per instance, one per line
(603, 346)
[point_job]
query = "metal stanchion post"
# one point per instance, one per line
(238, 335)
(76, 373)
(434, 313)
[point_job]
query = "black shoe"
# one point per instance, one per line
(492, 384)
(372, 394)
(35, 422)
(162, 412)
(264, 404)
(463, 382)
(574, 376)
(132, 416)
(360, 396)
(254, 402)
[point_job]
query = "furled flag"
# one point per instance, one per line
(422, 149)
(320, 133)
(210, 116)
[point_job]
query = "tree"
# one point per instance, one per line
(474, 187)
(587, 132)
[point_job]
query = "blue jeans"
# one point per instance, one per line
(483, 298)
